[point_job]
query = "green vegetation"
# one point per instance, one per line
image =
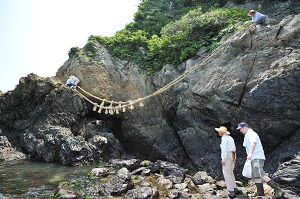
(75, 51)
(89, 180)
(169, 32)
(55, 195)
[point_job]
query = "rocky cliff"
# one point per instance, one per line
(253, 77)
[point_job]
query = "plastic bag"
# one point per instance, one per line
(247, 171)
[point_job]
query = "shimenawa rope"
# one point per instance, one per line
(115, 107)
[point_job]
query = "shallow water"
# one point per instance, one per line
(32, 179)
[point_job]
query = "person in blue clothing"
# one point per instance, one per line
(259, 19)
(72, 81)
(256, 154)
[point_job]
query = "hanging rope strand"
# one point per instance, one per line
(184, 75)
(122, 105)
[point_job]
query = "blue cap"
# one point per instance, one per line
(241, 125)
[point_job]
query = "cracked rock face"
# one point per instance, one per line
(48, 121)
(254, 79)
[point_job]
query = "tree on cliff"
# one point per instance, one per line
(172, 31)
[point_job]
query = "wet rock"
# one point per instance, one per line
(66, 194)
(174, 193)
(172, 171)
(138, 171)
(221, 184)
(95, 191)
(7, 152)
(202, 177)
(111, 149)
(146, 172)
(147, 163)
(289, 173)
(180, 186)
(164, 183)
(75, 151)
(119, 184)
(129, 164)
(99, 146)
(4, 142)
(100, 171)
(142, 193)
(207, 188)
(191, 185)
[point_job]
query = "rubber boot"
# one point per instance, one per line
(278, 192)
(260, 189)
(231, 194)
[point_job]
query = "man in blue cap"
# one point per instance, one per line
(256, 154)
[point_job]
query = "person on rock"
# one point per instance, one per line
(72, 81)
(259, 19)
(228, 157)
(255, 153)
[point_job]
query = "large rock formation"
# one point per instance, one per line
(253, 77)
(50, 122)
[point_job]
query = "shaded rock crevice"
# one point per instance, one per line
(246, 81)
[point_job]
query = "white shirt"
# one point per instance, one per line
(74, 80)
(249, 138)
(68, 81)
(227, 146)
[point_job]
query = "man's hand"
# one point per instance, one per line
(252, 148)
(252, 25)
(222, 163)
(249, 156)
(233, 156)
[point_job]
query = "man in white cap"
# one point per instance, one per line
(259, 18)
(256, 154)
(228, 157)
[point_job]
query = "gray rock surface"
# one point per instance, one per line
(7, 153)
(119, 184)
(48, 121)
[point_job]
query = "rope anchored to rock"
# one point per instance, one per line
(115, 107)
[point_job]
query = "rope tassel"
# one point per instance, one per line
(102, 104)
(111, 111)
(131, 107)
(101, 107)
(141, 104)
(95, 107)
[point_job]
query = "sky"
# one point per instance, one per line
(36, 35)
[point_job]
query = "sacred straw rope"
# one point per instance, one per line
(122, 105)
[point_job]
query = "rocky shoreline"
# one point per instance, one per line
(145, 179)
(134, 178)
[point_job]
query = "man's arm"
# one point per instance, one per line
(252, 147)
(223, 151)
